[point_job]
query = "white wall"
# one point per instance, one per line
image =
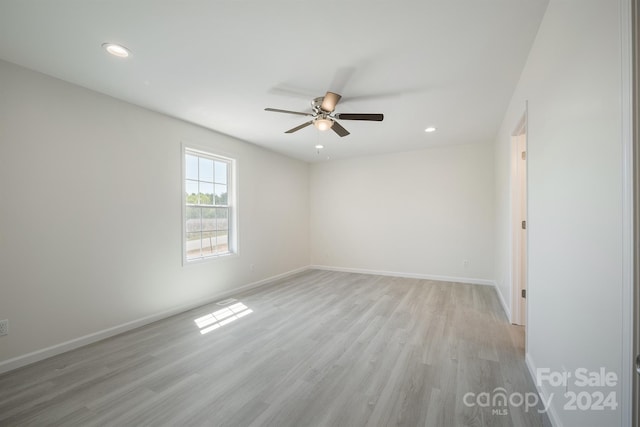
(573, 86)
(90, 213)
(416, 213)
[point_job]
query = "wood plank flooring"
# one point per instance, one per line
(319, 349)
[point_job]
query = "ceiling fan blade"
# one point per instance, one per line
(293, 91)
(366, 116)
(337, 128)
(330, 101)
(341, 78)
(297, 128)
(276, 110)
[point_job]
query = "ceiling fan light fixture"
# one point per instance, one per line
(323, 123)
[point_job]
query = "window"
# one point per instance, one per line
(208, 204)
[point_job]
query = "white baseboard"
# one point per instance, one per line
(407, 275)
(542, 392)
(505, 307)
(54, 350)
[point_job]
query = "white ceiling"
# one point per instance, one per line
(452, 64)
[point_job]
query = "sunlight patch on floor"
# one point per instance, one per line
(222, 317)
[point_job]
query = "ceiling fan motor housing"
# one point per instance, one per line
(316, 105)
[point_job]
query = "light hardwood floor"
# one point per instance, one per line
(319, 349)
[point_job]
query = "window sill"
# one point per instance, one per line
(195, 261)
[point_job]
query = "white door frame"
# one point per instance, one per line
(635, 167)
(630, 28)
(518, 264)
(630, 195)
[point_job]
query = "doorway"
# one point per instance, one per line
(519, 223)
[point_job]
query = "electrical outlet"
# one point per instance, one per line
(4, 327)
(465, 263)
(252, 267)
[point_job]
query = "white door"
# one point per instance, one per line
(522, 190)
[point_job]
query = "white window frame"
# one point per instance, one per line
(231, 202)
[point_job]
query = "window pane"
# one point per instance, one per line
(222, 239)
(206, 226)
(222, 212)
(208, 243)
(221, 172)
(222, 222)
(192, 219)
(191, 167)
(221, 194)
(193, 245)
(206, 170)
(208, 219)
(191, 188)
(206, 193)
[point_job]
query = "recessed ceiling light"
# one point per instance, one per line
(116, 50)
(319, 146)
(430, 129)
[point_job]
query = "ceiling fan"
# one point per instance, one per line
(324, 116)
